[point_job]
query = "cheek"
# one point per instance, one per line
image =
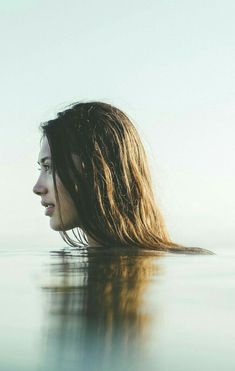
(66, 202)
(51, 186)
(69, 212)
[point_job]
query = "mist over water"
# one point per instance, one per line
(168, 65)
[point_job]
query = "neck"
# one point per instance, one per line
(92, 242)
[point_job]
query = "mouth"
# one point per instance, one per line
(49, 208)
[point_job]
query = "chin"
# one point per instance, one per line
(56, 225)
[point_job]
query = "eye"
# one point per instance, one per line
(45, 167)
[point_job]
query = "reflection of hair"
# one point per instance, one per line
(99, 307)
(112, 189)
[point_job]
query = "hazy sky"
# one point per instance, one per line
(170, 65)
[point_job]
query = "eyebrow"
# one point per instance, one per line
(44, 159)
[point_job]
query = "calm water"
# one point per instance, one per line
(108, 310)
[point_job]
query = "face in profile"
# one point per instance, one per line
(44, 188)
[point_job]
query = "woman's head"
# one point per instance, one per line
(99, 178)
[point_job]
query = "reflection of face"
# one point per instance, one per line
(44, 187)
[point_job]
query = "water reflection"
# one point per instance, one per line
(96, 317)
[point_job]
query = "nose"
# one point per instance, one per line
(39, 189)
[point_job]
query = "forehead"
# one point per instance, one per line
(45, 149)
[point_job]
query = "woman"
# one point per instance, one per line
(95, 178)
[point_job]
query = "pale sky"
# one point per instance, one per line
(170, 65)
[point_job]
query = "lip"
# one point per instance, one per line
(49, 210)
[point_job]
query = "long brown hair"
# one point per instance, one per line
(112, 189)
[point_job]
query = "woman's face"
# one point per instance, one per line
(44, 188)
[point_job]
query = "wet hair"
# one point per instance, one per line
(111, 188)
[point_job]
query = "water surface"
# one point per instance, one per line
(103, 310)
